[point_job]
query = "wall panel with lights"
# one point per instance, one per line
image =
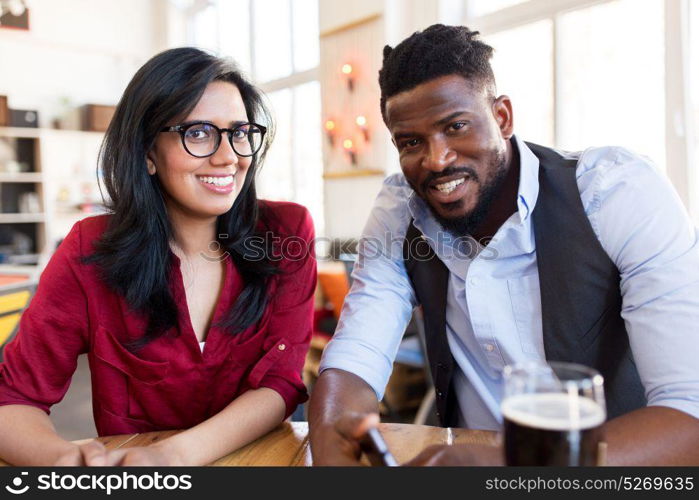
(350, 63)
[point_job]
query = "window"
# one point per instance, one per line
(532, 97)
(599, 104)
(559, 61)
(281, 54)
(482, 7)
(272, 38)
(234, 31)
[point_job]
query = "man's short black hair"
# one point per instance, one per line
(437, 51)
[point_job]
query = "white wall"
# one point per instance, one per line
(78, 51)
(333, 13)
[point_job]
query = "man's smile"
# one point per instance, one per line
(449, 190)
(450, 186)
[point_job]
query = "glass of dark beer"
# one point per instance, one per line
(553, 414)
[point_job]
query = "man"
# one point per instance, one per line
(531, 255)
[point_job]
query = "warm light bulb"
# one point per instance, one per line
(16, 7)
(347, 69)
(361, 121)
(329, 125)
(348, 144)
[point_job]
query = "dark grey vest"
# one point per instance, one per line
(580, 295)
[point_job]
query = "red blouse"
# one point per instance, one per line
(170, 383)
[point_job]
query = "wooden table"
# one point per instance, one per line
(288, 444)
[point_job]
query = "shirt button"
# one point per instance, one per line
(281, 347)
(473, 281)
(489, 347)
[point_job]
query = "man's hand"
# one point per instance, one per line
(338, 444)
(342, 408)
(458, 454)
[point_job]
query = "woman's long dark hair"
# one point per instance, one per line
(133, 255)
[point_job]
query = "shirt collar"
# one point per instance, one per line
(528, 191)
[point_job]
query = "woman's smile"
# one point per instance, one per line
(219, 183)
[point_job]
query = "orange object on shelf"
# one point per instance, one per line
(11, 279)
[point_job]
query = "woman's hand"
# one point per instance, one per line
(153, 455)
(92, 454)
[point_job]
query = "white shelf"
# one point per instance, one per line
(35, 133)
(75, 214)
(34, 177)
(63, 159)
(18, 269)
(21, 218)
(20, 132)
(74, 133)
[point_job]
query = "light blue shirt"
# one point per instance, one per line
(493, 300)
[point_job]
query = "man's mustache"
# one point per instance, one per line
(447, 172)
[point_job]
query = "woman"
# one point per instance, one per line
(192, 298)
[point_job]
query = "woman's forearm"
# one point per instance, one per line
(245, 419)
(27, 437)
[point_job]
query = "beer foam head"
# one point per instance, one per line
(553, 411)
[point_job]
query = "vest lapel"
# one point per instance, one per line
(423, 267)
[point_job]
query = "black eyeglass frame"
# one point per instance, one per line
(182, 130)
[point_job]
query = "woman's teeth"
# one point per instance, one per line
(217, 181)
(450, 186)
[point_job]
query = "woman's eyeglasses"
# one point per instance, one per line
(202, 139)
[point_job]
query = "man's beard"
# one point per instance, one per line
(467, 224)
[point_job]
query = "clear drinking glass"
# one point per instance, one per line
(553, 414)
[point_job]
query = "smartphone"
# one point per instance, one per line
(376, 450)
